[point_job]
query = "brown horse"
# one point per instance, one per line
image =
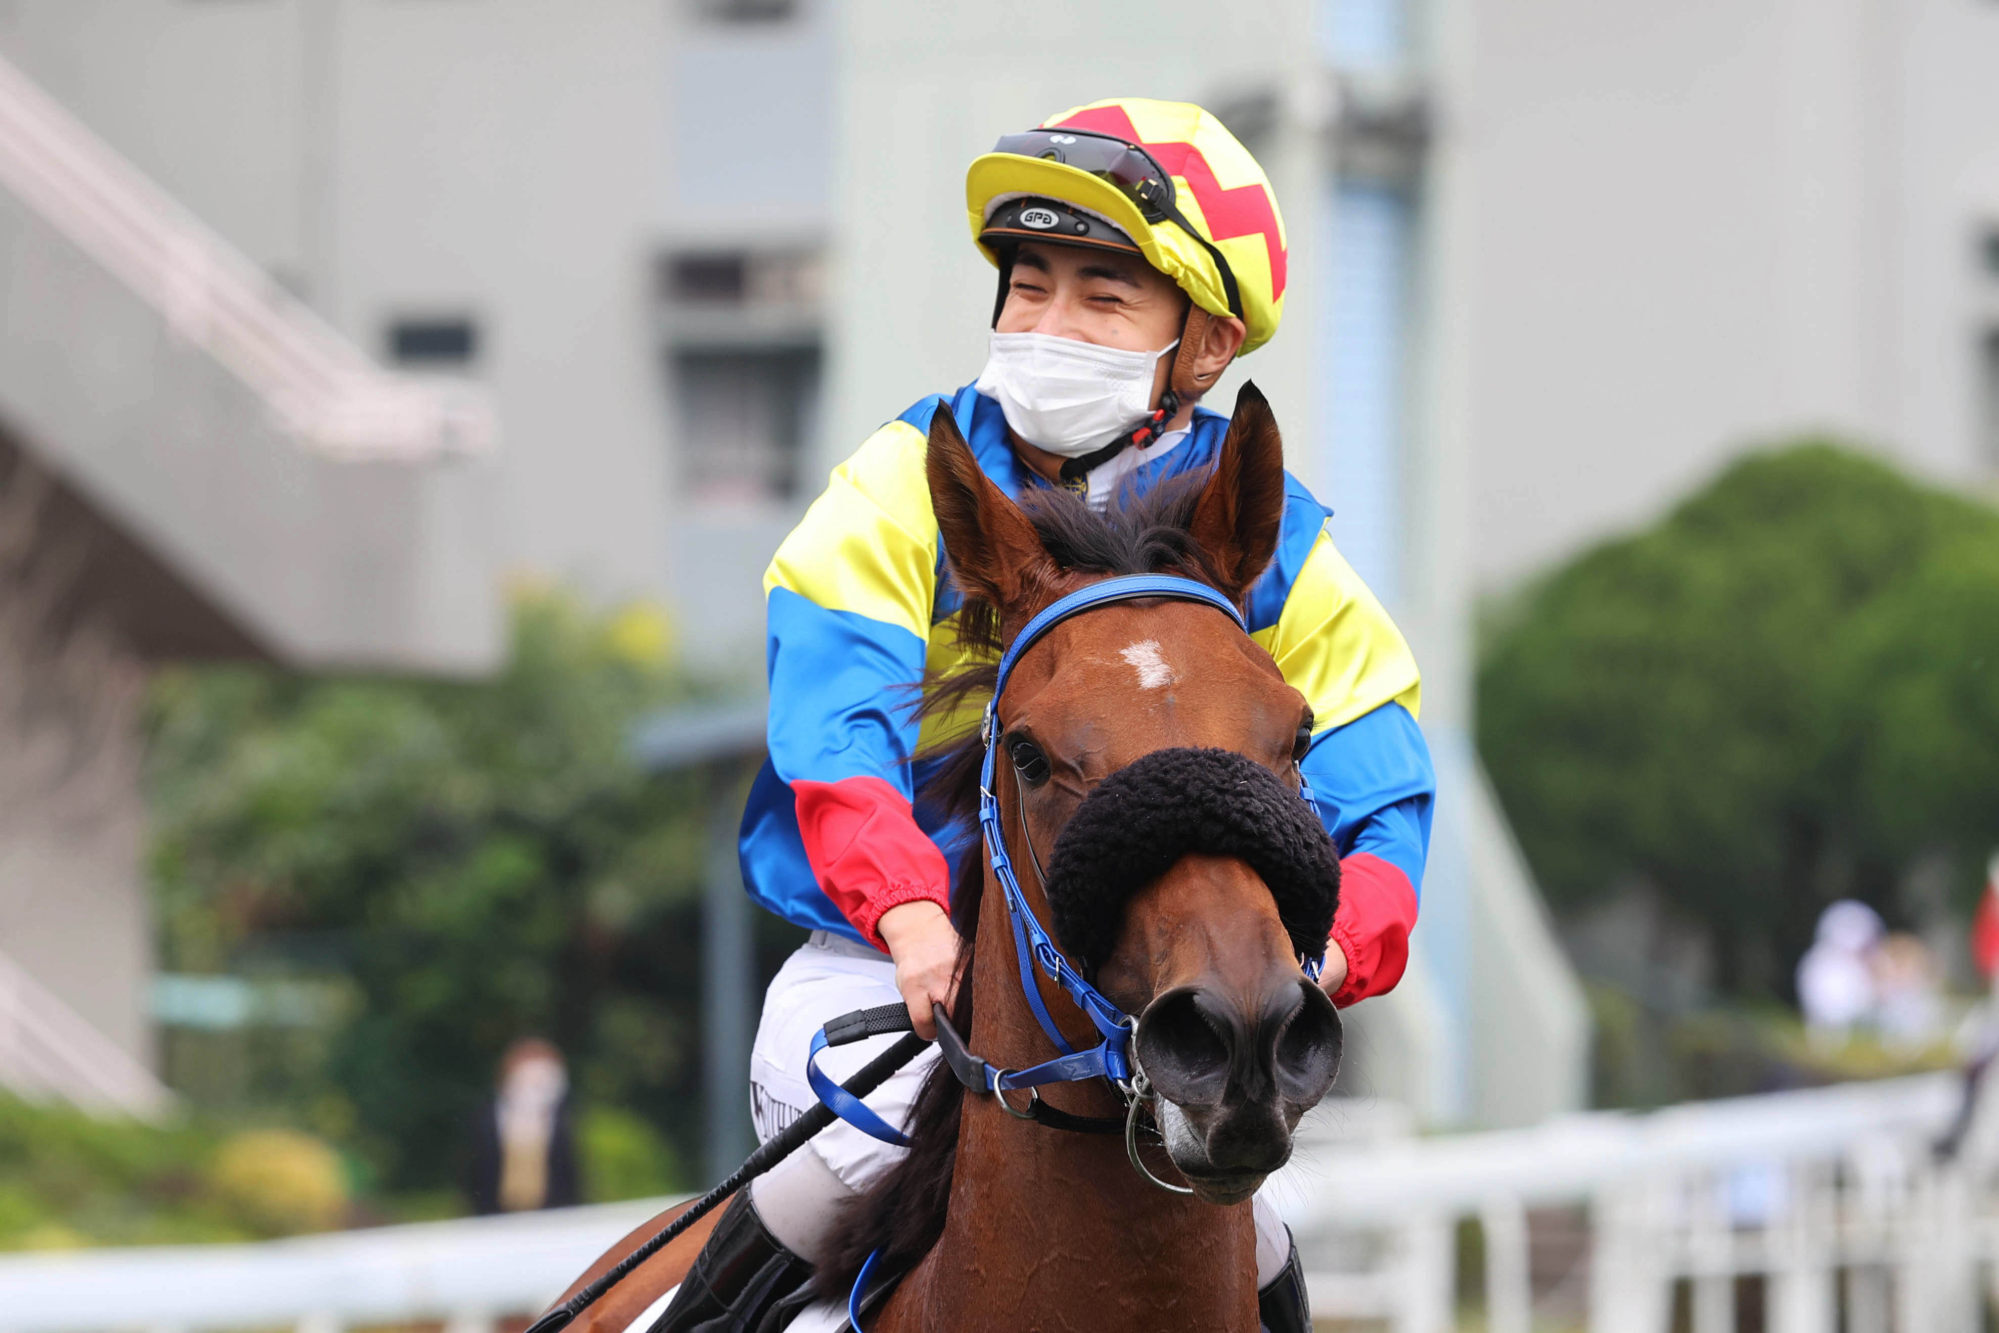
(999, 1223)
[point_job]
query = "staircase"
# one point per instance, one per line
(49, 1053)
(193, 461)
(332, 511)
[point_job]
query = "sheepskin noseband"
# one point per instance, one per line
(1168, 804)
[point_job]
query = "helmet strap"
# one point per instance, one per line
(1005, 255)
(1183, 386)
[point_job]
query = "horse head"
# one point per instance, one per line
(1123, 734)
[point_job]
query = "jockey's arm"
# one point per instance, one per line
(1368, 768)
(849, 598)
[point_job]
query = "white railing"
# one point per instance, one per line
(320, 388)
(466, 1274)
(48, 1052)
(1813, 1191)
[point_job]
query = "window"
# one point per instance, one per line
(763, 278)
(744, 360)
(745, 417)
(449, 343)
(746, 11)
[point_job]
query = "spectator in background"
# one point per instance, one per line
(1836, 986)
(523, 1148)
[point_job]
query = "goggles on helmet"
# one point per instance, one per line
(1132, 170)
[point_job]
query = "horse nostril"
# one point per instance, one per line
(1183, 1051)
(1308, 1047)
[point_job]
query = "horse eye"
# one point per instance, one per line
(1302, 742)
(1028, 760)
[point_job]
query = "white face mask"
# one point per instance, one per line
(1068, 397)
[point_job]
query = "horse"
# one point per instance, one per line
(993, 1222)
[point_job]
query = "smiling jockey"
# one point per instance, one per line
(1139, 251)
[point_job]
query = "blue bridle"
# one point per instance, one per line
(1111, 1057)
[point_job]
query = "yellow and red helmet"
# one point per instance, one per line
(1173, 182)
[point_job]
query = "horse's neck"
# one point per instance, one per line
(1053, 1230)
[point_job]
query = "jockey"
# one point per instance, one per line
(1139, 251)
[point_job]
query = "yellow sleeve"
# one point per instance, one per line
(1336, 645)
(868, 544)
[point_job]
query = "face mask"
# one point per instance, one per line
(534, 1082)
(1070, 398)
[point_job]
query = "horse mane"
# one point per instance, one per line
(903, 1213)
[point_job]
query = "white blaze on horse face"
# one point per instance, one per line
(1153, 672)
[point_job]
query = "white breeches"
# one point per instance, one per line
(798, 1199)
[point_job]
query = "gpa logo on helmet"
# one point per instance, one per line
(1041, 219)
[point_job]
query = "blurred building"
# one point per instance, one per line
(1690, 227)
(538, 200)
(192, 466)
(611, 217)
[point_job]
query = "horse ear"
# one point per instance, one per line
(993, 550)
(1241, 510)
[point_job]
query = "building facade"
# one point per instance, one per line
(1697, 227)
(192, 466)
(611, 219)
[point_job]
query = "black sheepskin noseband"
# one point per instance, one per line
(1169, 804)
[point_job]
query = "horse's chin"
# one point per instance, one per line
(1211, 1183)
(1223, 1189)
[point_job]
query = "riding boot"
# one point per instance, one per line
(1281, 1305)
(741, 1272)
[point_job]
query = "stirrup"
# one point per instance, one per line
(1281, 1306)
(741, 1274)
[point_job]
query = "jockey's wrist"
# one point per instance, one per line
(887, 899)
(1333, 974)
(910, 920)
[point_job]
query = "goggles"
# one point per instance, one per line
(1132, 170)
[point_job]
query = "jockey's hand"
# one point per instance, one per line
(1334, 974)
(924, 945)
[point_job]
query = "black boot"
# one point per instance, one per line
(1281, 1305)
(741, 1273)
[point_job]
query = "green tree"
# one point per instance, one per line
(1912, 716)
(478, 860)
(1670, 706)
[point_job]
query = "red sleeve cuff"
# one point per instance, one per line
(1371, 928)
(867, 919)
(867, 851)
